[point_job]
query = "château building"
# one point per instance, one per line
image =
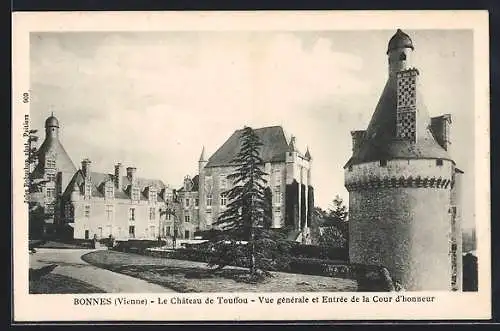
(98, 204)
(404, 186)
(203, 197)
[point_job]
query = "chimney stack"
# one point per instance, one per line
(118, 175)
(86, 168)
(357, 139)
(131, 174)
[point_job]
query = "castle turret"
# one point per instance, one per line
(400, 180)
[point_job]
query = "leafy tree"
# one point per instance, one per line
(246, 237)
(338, 212)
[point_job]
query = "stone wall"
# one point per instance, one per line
(406, 230)
(118, 226)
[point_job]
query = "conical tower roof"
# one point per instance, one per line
(380, 142)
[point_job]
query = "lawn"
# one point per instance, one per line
(188, 276)
(59, 284)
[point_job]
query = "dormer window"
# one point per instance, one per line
(50, 163)
(88, 189)
(135, 193)
(223, 181)
(277, 177)
(152, 195)
(108, 190)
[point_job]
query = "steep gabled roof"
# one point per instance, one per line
(273, 150)
(53, 146)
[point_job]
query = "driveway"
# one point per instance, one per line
(70, 264)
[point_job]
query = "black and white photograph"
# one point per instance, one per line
(312, 165)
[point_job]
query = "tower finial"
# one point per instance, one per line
(202, 155)
(308, 154)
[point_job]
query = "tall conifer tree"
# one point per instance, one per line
(247, 216)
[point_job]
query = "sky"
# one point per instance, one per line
(153, 99)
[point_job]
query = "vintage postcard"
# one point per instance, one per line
(229, 166)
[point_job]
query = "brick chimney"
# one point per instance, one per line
(118, 175)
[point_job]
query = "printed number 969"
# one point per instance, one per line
(26, 97)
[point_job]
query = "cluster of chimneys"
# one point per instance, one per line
(118, 178)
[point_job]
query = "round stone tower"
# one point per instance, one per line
(400, 180)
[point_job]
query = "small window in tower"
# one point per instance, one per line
(350, 168)
(439, 162)
(402, 57)
(383, 163)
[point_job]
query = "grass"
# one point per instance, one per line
(188, 276)
(59, 284)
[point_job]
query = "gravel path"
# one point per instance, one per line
(70, 264)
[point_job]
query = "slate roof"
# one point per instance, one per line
(99, 179)
(196, 183)
(63, 161)
(379, 142)
(274, 147)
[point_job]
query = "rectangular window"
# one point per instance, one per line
(109, 191)
(277, 195)
(186, 234)
(87, 211)
(223, 181)
(209, 200)
(152, 196)
(223, 199)
(169, 217)
(49, 208)
(277, 177)
(152, 230)
(196, 202)
(167, 230)
(88, 188)
(186, 202)
(51, 177)
(131, 231)
(49, 163)
(439, 162)
(152, 213)
(68, 210)
(131, 214)
(99, 232)
(208, 219)
(136, 194)
(383, 163)
(109, 212)
(187, 218)
(51, 192)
